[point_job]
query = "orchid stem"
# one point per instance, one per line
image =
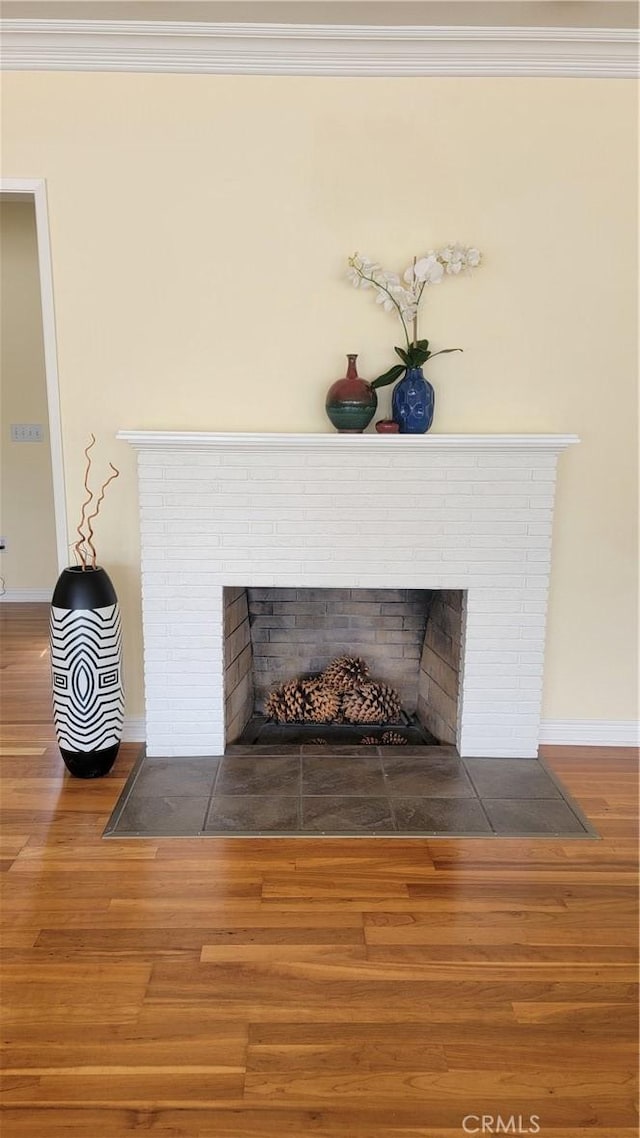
(393, 300)
(415, 319)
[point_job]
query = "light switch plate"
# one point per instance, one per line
(26, 433)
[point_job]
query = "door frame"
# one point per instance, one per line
(35, 190)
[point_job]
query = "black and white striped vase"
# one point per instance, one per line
(88, 700)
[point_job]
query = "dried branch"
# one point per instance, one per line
(80, 552)
(90, 518)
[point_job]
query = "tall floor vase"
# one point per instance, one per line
(88, 700)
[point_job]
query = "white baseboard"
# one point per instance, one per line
(590, 732)
(24, 596)
(134, 729)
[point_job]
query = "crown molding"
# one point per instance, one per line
(316, 49)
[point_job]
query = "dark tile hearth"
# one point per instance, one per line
(521, 778)
(532, 815)
(441, 816)
(342, 775)
(242, 813)
(443, 776)
(306, 790)
(264, 774)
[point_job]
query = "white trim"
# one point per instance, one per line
(35, 189)
(25, 596)
(134, 730)
(351, 445)
(590, 732)
(316, 49)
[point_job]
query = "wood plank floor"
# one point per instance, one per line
(337, 988)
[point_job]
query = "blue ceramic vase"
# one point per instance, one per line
(413, 403)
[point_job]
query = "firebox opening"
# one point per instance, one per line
(285, 641)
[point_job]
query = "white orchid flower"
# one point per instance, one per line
(385, 300)
(405, 299)
(428, 270)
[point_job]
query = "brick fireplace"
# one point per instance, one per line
(225, 515)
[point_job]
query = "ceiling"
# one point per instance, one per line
(430, 13)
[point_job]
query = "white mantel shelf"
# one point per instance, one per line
(217, 440)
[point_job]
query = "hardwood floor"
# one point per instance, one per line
(336, 988)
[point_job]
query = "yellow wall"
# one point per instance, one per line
(26, 495)
(199, 229)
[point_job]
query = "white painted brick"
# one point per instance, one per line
(491, 606)
(486, 526)
(365, 462)
(529, 459)
(480, 685)
(197, 459)
(517, 620)
(431, 519)
(420, 461)
(493, 668)
(507, 505)
(456, 553)
(530, 682)
(480, 474)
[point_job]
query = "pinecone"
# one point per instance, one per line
(322, 704)
(302, 701)
(286, 703)
(343, 673)
(317, 742)
(393, 739)
(368, 741)
(371, 702)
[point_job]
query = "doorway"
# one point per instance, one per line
(32, 507)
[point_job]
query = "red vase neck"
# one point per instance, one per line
(352, 371)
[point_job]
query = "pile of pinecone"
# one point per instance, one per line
(343, 693)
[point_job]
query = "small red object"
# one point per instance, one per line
(387, 427)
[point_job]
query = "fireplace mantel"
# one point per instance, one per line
(464, 512)
(340, 443)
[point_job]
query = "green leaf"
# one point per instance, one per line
(422, 344)
(445, 351)
(403, 355)
(418, 357)
(389, 376)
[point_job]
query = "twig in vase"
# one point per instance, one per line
(96, 512)
(78, 547)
